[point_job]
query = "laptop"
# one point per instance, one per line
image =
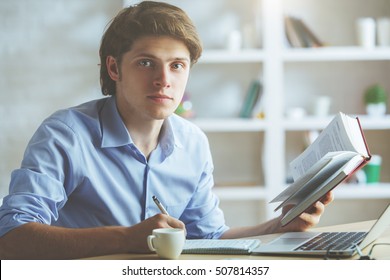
(330, 244)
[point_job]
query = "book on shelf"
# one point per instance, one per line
(291, 33)
(220, 246)
(252, 98)
(338, 151)
(299, 35)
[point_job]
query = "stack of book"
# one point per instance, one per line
(299, 35)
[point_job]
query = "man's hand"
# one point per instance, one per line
(139, 232)
(309, 218)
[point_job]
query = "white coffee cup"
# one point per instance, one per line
(366, 32)
(167, 242)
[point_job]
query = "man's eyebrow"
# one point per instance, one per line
(148, 55)
(183, 58)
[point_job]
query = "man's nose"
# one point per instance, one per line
(161, 78)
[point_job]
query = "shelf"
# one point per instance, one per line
(306, 123)
(372, 123)
(292, 77)
(317, 123)
(336, 54)
(230, 124)
(226, 56)
(352, 191)
(240, 193)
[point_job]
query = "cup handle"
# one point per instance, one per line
(150, 242)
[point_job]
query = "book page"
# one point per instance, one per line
(335, 161)
(350, 165)
(333, 138)
(356, 134)
(320, 187)
(301, 181)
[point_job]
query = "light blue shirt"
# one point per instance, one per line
(82, 169)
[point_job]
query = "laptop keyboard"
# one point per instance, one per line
(332, 241)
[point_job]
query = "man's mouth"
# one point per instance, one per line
(160, 97)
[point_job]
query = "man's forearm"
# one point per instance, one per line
(38, 241)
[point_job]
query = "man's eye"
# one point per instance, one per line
(145, 63)
(177, 66)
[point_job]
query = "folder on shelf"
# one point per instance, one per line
(251, 99)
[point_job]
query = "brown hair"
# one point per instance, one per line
(145, 18)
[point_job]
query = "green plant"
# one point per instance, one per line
(375, 94)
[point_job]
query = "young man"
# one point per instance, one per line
(89, 173)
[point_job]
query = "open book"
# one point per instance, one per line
(338, 152)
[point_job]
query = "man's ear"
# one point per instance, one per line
(112, 68)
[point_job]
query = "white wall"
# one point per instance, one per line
(49, 57)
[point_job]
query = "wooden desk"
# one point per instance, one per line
(380, 252)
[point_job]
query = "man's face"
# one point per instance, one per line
(152, 78)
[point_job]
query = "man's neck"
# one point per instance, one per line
(144, 131)
(145, 135)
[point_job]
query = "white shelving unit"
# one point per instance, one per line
(225, 56)
(231, 125)
(352, 191)
(240, 193)
(336, 54)
(251, 156)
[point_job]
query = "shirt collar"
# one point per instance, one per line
(168, 140)
(114, 131)
(115, 134)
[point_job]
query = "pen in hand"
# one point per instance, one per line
(160, 206)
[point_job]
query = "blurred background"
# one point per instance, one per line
(49, 60)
